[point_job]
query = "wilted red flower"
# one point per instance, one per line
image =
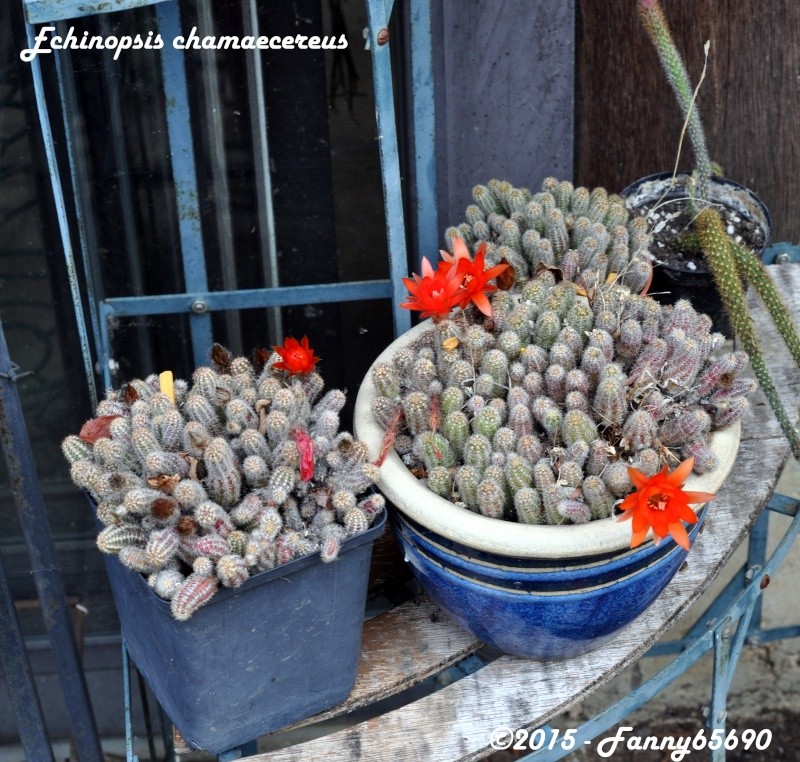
(97, 428)
(296, 356)
(435, 292)
(660, 502)
(305, 448)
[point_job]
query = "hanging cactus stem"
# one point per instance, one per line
(722, 260)
(655, 24)
(753, 270)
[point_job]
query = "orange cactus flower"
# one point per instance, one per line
(434, 293)
(457, 281)
(475, 284)
(460, 251)
(296, 356)
(660, 502)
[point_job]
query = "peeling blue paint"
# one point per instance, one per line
(184, 174)
(41, 11)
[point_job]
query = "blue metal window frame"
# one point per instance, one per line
(197, 302)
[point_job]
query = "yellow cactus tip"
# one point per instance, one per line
(167, 384)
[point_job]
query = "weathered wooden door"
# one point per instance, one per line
(628, 124)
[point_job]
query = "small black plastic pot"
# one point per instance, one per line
(671, 283)
(283, 646)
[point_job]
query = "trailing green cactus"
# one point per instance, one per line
(723, 263)
(728, 260)
(655, 23)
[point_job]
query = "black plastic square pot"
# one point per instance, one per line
(281, 647)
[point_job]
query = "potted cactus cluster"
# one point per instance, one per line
(547, 401)
(238, 538)
(672, 201)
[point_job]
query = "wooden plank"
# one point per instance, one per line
(628, 124)
(455, 722)
(399, 649)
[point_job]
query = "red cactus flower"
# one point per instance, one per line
(476, 277)
(434, 293)
(457, 281)
(460, 251)
(296, 356)
(660, 502)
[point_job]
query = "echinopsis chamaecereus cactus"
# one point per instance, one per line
(534, 407)
(204, 484)
(587, 234)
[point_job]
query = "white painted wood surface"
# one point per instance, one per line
(455, 722)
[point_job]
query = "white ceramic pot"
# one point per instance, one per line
(506, 538)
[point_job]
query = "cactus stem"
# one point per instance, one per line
(657, 28)
(716, 245)
(753, 269)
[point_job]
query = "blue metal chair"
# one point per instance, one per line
(739, 601)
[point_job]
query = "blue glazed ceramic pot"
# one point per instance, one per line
(535, 609)
(543, 592)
